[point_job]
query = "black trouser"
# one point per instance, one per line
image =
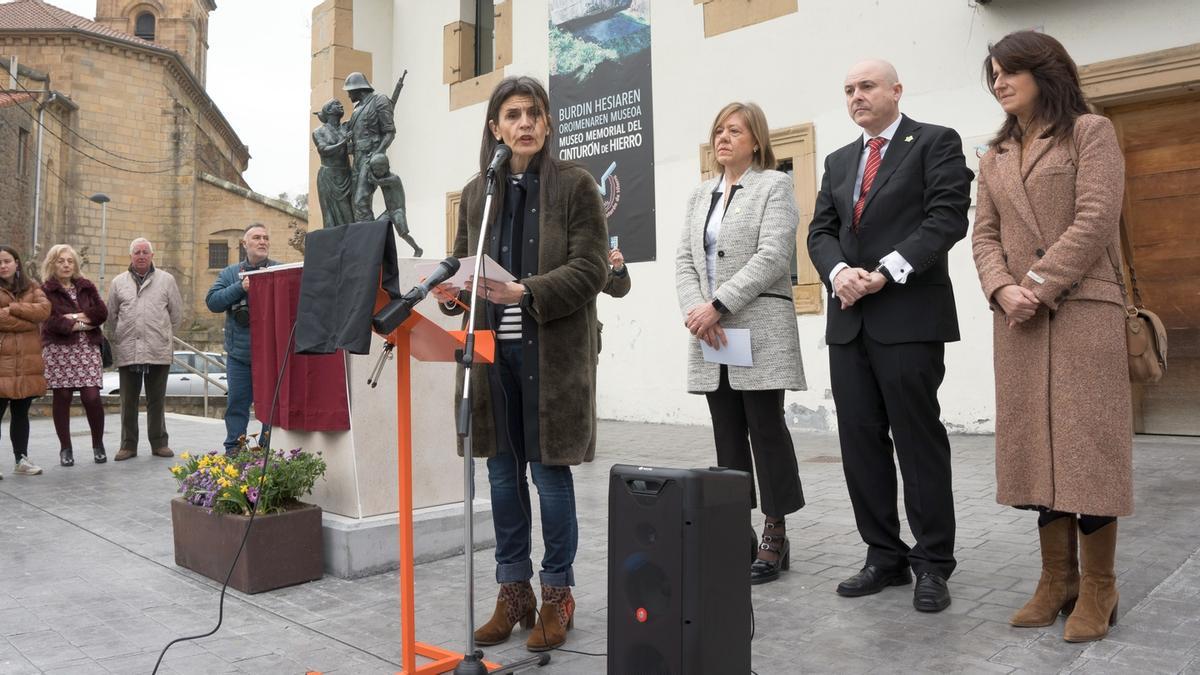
(156, 395)
(759, 414)
(879, 388)
(1088, 524)
(18, 425)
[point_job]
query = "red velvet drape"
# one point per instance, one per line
(312, 396)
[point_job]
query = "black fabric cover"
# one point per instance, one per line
(342, 267)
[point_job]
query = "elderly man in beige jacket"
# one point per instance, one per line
(144, 310)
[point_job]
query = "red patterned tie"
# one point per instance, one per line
(873, 160)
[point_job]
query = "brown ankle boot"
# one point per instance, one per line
(556, 617)
(1059, 584)
(1096, 608)
(515, 603)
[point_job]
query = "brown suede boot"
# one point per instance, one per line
(556, 617)
(1059, 584)
(515, 603)
(1096, 608)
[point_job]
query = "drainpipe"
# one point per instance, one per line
(37, 176)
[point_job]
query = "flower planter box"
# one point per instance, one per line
(283, 549)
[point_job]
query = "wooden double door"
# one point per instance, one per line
(1161, 141)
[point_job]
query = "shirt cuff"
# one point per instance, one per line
(897, 266)
(836, 268)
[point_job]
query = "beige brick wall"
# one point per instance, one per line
(154, 128)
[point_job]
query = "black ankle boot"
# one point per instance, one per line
(99, 455)
(762, 571)
(66, 457)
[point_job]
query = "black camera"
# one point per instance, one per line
(241, 312)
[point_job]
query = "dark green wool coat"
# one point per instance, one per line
(560, 333)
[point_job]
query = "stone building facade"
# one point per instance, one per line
(141, 129)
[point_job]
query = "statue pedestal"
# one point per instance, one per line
(359, 492)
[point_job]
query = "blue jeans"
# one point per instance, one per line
(240, 395)
(511, 515)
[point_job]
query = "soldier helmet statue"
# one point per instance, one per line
(356, 81)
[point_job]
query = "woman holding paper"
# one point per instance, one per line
(733, 279)
(534, 410)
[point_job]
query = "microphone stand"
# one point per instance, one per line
(472, 661)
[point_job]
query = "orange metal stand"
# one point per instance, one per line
(424, 340)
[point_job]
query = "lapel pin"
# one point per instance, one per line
(908, 139)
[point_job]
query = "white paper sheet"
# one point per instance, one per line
(491, 270)
(735, 353)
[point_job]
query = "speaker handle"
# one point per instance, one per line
(644, 486)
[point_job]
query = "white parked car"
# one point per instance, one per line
(180, 380)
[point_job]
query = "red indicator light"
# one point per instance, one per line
(641, 614)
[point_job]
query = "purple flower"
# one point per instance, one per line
(252, 495)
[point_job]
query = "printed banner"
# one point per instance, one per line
(601, 99)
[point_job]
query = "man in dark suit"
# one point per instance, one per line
(891, 205)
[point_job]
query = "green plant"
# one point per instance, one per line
(570, 55)
(235, 484)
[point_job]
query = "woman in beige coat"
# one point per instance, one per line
(1045, 242)
(23, 307)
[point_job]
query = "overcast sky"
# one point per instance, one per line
(259, 55)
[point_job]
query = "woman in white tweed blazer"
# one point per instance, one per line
(733, 270)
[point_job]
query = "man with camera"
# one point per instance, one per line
(231, 295)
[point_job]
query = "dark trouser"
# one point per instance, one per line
(18, 424)
(749, 423)
(156, 395)
(879, 387)
(1088, 524)
(92, 406)
(510, 492)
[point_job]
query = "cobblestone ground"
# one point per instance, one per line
(89, 583)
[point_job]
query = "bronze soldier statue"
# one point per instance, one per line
(372, 128)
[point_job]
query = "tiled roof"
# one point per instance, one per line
(38, 15)
(9, 98)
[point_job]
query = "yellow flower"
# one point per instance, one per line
(185, 456)
(245, 488)
(224, 483)
(231, 471)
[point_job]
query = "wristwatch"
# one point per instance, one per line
(882, 269)
(527, 299)
(719, 306)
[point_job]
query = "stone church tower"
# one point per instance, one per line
(178, 25)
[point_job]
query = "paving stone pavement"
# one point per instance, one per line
(90, 584)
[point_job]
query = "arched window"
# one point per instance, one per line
(144, 26)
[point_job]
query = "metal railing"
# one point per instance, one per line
(203, 374)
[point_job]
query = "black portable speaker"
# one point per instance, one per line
(678, 575)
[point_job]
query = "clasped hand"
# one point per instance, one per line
(1019, 303)
(703, 321)
(855, 283)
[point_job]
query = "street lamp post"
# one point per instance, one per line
(103, 200)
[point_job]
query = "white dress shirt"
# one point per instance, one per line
(711, 230)
(895, 263)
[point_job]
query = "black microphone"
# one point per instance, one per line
(397, 311)
(502, 154)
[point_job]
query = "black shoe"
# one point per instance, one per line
(872, 579)
(931, 594)
(99, 455)
(66, 457)
(762, 571)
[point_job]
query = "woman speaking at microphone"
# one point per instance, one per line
(534, 407)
